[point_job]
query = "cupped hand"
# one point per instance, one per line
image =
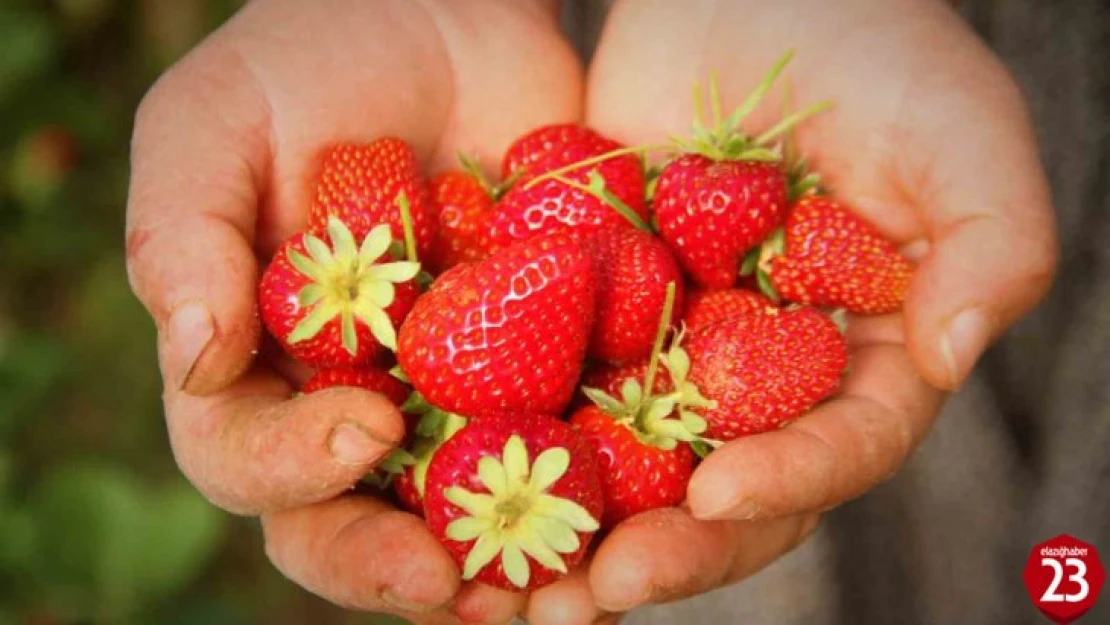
(930, 141)
(224, 150)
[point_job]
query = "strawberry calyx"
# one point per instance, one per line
(434, 428)
(723, 139)
(518, 516)
(650, 416)
(757, 263)
(348, 282)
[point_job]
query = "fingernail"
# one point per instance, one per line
(728, 510)
(967, 337)
(405, 605)
(188, 332)
(354, 445)
(716, 500)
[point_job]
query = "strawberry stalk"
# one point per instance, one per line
(660, 337)
(598, 189)
(406, 227)
(471, 166)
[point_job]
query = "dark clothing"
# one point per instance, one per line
(1022, 453)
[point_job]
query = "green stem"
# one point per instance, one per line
(593, 160)
(660, 337)
(406, 226)
(613, 201)
(790, 122)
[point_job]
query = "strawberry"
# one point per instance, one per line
(633, 270)
(515, 499)
(364, 184)
(462, 202)
(705, 308)
(762, 370)
(506, 334)
(369, 378)
(712, 212)
(828, 256)
(334, 302)
(639, 472)
(565, 204)
(641, 440)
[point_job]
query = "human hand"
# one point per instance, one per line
(930, 141)
(224, 149)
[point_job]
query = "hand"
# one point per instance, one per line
(930, 141)
(224, 149)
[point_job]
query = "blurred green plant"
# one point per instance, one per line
(96, 523)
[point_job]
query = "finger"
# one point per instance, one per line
(196, 170)
(481, 604)
(840, 450)
(568, 601)
(360, 553)
(666, 555)
(251, 449)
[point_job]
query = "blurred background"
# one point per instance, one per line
(96, 524)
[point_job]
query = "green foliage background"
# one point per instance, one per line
(96, 524)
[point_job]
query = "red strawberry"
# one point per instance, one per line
(506, 334)
(727, 192)
(763, 370)
(712, 212)
(704, 308)
(333, 302)
(565, 205)
(364, 184)
(515, 499)
(828, 256)
(633, 270)
(640, 471)
(641, 439)
(369, 378)
(462, 203)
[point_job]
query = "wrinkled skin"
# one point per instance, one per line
(934, 147)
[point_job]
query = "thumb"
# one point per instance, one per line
(993, 248)
(190, 218)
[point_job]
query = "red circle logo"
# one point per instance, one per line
(1064, 577)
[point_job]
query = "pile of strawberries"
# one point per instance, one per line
(566, 344)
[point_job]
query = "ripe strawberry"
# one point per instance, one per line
(713, 211)
(633, 270)
(333, 302)
(462, 202)
(828, 256)
(565, 204)
(369, 378)
(763, 370)
(641, 440)
(515, 499)
(640, 470)
(704, 308)
(364, 184)
(506, 334)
